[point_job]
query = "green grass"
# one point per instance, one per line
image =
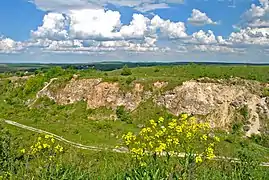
(73, 122)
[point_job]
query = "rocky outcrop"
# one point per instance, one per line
(219, 100)
(99, 94)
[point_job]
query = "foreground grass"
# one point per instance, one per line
(81, 164)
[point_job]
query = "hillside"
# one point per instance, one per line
(95, 107)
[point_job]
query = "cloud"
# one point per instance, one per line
(200, 19)
(150, 7)
(87, 23)
(256, 16)
(8, 45)
(167, 28)
(251, 36)
(99, 32)
(66, 5)
(54, 27)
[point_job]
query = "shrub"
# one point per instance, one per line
(123, 115)
(244, 112)
(126, 71)
(129, 80)
(265, 92)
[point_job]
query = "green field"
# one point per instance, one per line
(72, 123)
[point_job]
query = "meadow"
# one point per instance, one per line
(72, 123)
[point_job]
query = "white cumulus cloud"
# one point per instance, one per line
(88, 23)
(8, 45)
(199, 18)
(54, 27)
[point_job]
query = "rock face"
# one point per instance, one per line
(99, 94)
(217, 101)
(212, 99)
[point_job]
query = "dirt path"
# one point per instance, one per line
(95, 148)
(43, 89)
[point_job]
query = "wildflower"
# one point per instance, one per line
(143, 164)
(52, 140)
(210, 153)
(161, 148)
(46, 146)
(163, 128)
(149, 129)
(184, 116)
(189, 135)
(153, 123)
(22, 151)
(217, 139)
(172, 125)
(48, 136)
(176, 141)
(39, 138)
(169, 140)
(204, 137)
(192, 118)
(50, 158)
(178, 129)
(143, 131)
(161, 119)
(198, 159)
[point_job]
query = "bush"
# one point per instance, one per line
(265, 92)
(126, 71)
(123, 115)
(129, 80)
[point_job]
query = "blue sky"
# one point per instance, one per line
(134, 30)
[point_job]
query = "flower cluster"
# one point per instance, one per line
(44, 145)
(173, 136)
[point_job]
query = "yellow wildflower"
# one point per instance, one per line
(184, 116)
(48, 136)
(46, 146)
(192, 118)
(189, 135)
(50, 158)
(22, 151)
(161, 119)
(143, 164)
(204, 137)
(217, 139)
(178, 129)
(149, 129)
(39, 138)
(176, 141)
(198, 159)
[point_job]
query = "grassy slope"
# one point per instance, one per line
(71, 121)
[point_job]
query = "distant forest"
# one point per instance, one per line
(103, 66)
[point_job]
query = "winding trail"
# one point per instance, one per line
(95, 148)
(43, 89)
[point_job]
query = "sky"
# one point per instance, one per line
(85, 31)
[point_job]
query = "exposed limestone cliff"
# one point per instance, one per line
(99, 94)
(217, 100)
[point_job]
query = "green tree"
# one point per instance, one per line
(126, 71)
